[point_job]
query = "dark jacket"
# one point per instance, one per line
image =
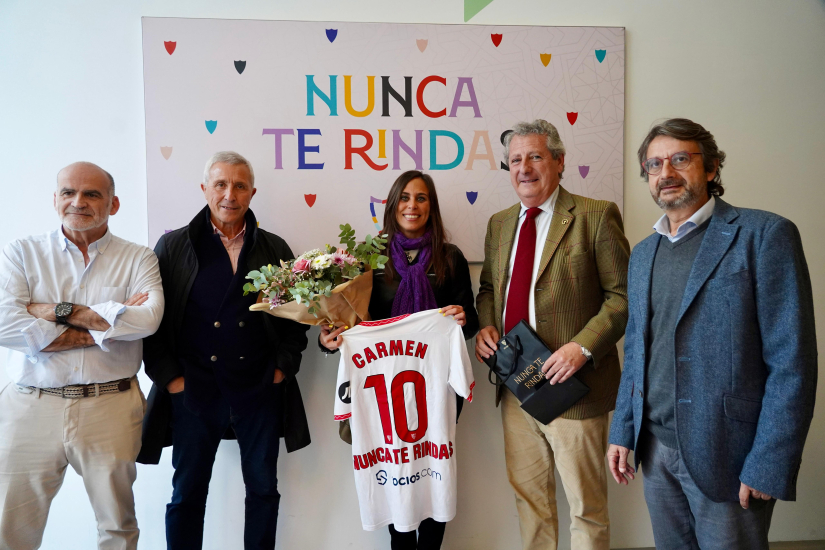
(745, 355)
(163, 350)
(456, 290)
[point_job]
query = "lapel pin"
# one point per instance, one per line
(564, 222)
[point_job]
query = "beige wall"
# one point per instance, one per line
(752, 71)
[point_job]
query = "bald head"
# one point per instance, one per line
(85, 198)
(86, 171)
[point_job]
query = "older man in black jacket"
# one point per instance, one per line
(217, 367)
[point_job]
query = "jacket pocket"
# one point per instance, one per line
(744, 410)
(730, 279)
(582, 265)
(579, 256)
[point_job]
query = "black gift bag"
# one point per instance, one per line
(517, 364)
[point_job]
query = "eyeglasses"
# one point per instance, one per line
(679, 161)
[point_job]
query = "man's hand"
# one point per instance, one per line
(72, 338)
(137, 300)
(279, 376)
(617, 462)
(564, 363)
(176, 385)
(486, 342)
(745, 493)
(329, 338)
(457, 312)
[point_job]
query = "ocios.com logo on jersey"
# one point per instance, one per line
(382, 478)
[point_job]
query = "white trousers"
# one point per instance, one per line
(42, 434)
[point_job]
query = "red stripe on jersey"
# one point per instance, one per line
(383, 322)
(342, 416)
(470, 398)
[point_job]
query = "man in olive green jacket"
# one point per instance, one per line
(559, 261)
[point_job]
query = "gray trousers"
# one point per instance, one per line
(685, 519)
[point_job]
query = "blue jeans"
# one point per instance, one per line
(195, 441)
(684, 518)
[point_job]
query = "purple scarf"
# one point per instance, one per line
(414, 293)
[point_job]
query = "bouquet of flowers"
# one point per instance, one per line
(322, 286)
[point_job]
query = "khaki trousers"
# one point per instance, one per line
(42, 434)
(577, 448)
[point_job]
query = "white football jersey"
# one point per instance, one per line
(397, 383)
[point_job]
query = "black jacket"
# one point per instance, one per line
(287, 339)
(456, 290)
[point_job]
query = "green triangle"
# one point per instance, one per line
(472, 7)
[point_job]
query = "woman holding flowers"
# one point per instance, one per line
(423, 272)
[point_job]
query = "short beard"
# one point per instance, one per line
(84, 225)
(687, 198)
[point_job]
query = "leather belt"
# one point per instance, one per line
(88, 390)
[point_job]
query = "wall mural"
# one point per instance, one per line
(330, 114)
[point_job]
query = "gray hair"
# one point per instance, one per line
(685, 129)
(539, 127)
(228, 157)
(111, 183)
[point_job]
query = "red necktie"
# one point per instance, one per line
(518, 297)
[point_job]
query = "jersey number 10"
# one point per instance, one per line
(399, 406)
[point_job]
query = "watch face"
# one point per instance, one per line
(63, 310)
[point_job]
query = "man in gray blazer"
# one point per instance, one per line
(720, 363)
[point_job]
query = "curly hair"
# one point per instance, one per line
(686, 130)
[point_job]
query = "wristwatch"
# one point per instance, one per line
(62, 312)
(586, 353)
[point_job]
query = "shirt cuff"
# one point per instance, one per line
(109, 311)
(39, 334)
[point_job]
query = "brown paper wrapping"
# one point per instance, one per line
(348, 305)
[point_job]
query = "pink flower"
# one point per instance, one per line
(301, 266)
(341, 258)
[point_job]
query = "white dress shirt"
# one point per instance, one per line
(699, 217)
(542, 228)
(49, 268)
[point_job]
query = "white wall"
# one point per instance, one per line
(753, 72)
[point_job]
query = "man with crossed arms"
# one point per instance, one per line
(558, 261)
(74, 306)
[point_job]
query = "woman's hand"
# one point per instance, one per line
(330, 338)
(457, 312)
